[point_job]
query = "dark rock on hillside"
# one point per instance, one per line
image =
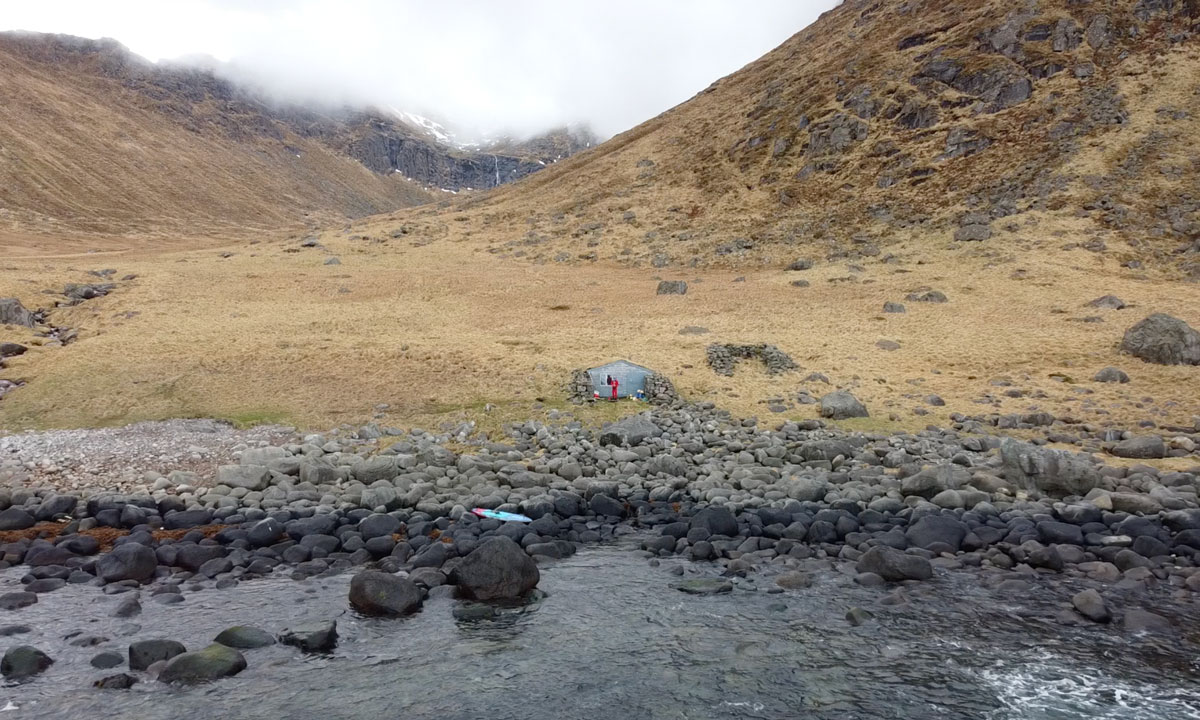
(1142, 447)
(1111, 302)
(497, 569)
(11, 349)
(1163, 340)
(840, 405)
(12, 312)
(672, 287)
(1111, 375)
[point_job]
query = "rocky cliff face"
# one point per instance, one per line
(386, 146)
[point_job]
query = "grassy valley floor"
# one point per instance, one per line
(438, 331)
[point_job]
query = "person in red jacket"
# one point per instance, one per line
(615, 384)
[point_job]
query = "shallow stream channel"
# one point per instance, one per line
(611, 637)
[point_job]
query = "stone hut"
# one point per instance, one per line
(631, 376)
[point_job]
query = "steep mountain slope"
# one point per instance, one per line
(1041, 124)
(95, 139)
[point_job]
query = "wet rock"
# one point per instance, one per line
(213, 662)
(107, 660)
(312, 637)
(144, 653)
(857, 616)
(130, 561)
(244, 637)
(1091, 605)
(1138, 620)
(1111, 375)
(473, 611)
(128, 607)
(24, 661)
(794, 580)
(497, 569)
(840, 405)
(704, 586)
(1164, 340)
(379, 593)
(894, 565)
(1141, 447)
(17, 600)
(120, 681)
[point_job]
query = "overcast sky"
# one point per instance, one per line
(486, 66)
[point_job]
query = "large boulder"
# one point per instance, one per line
(379, 467)
(840, 405)
(1142, 447)
(12, 312)
(631, 431)
(251, 477)
(498, 569)
(15, 518)
(716, 520)
(213, 662)
(130, 561)
(1091, 605)
(1054, 472)
(1164, 340)
(379, 593)
(24, 661)
(894, 565)
(936, 529)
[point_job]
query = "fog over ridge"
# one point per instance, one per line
(485, 68)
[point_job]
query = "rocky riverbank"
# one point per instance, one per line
(755, 506)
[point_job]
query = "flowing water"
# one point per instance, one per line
(612, 639)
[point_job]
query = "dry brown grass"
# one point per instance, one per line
(441, 329)
(82, 154)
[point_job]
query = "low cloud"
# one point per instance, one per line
(487, 68)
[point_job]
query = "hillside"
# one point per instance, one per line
(957, 125)
(96, 140)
